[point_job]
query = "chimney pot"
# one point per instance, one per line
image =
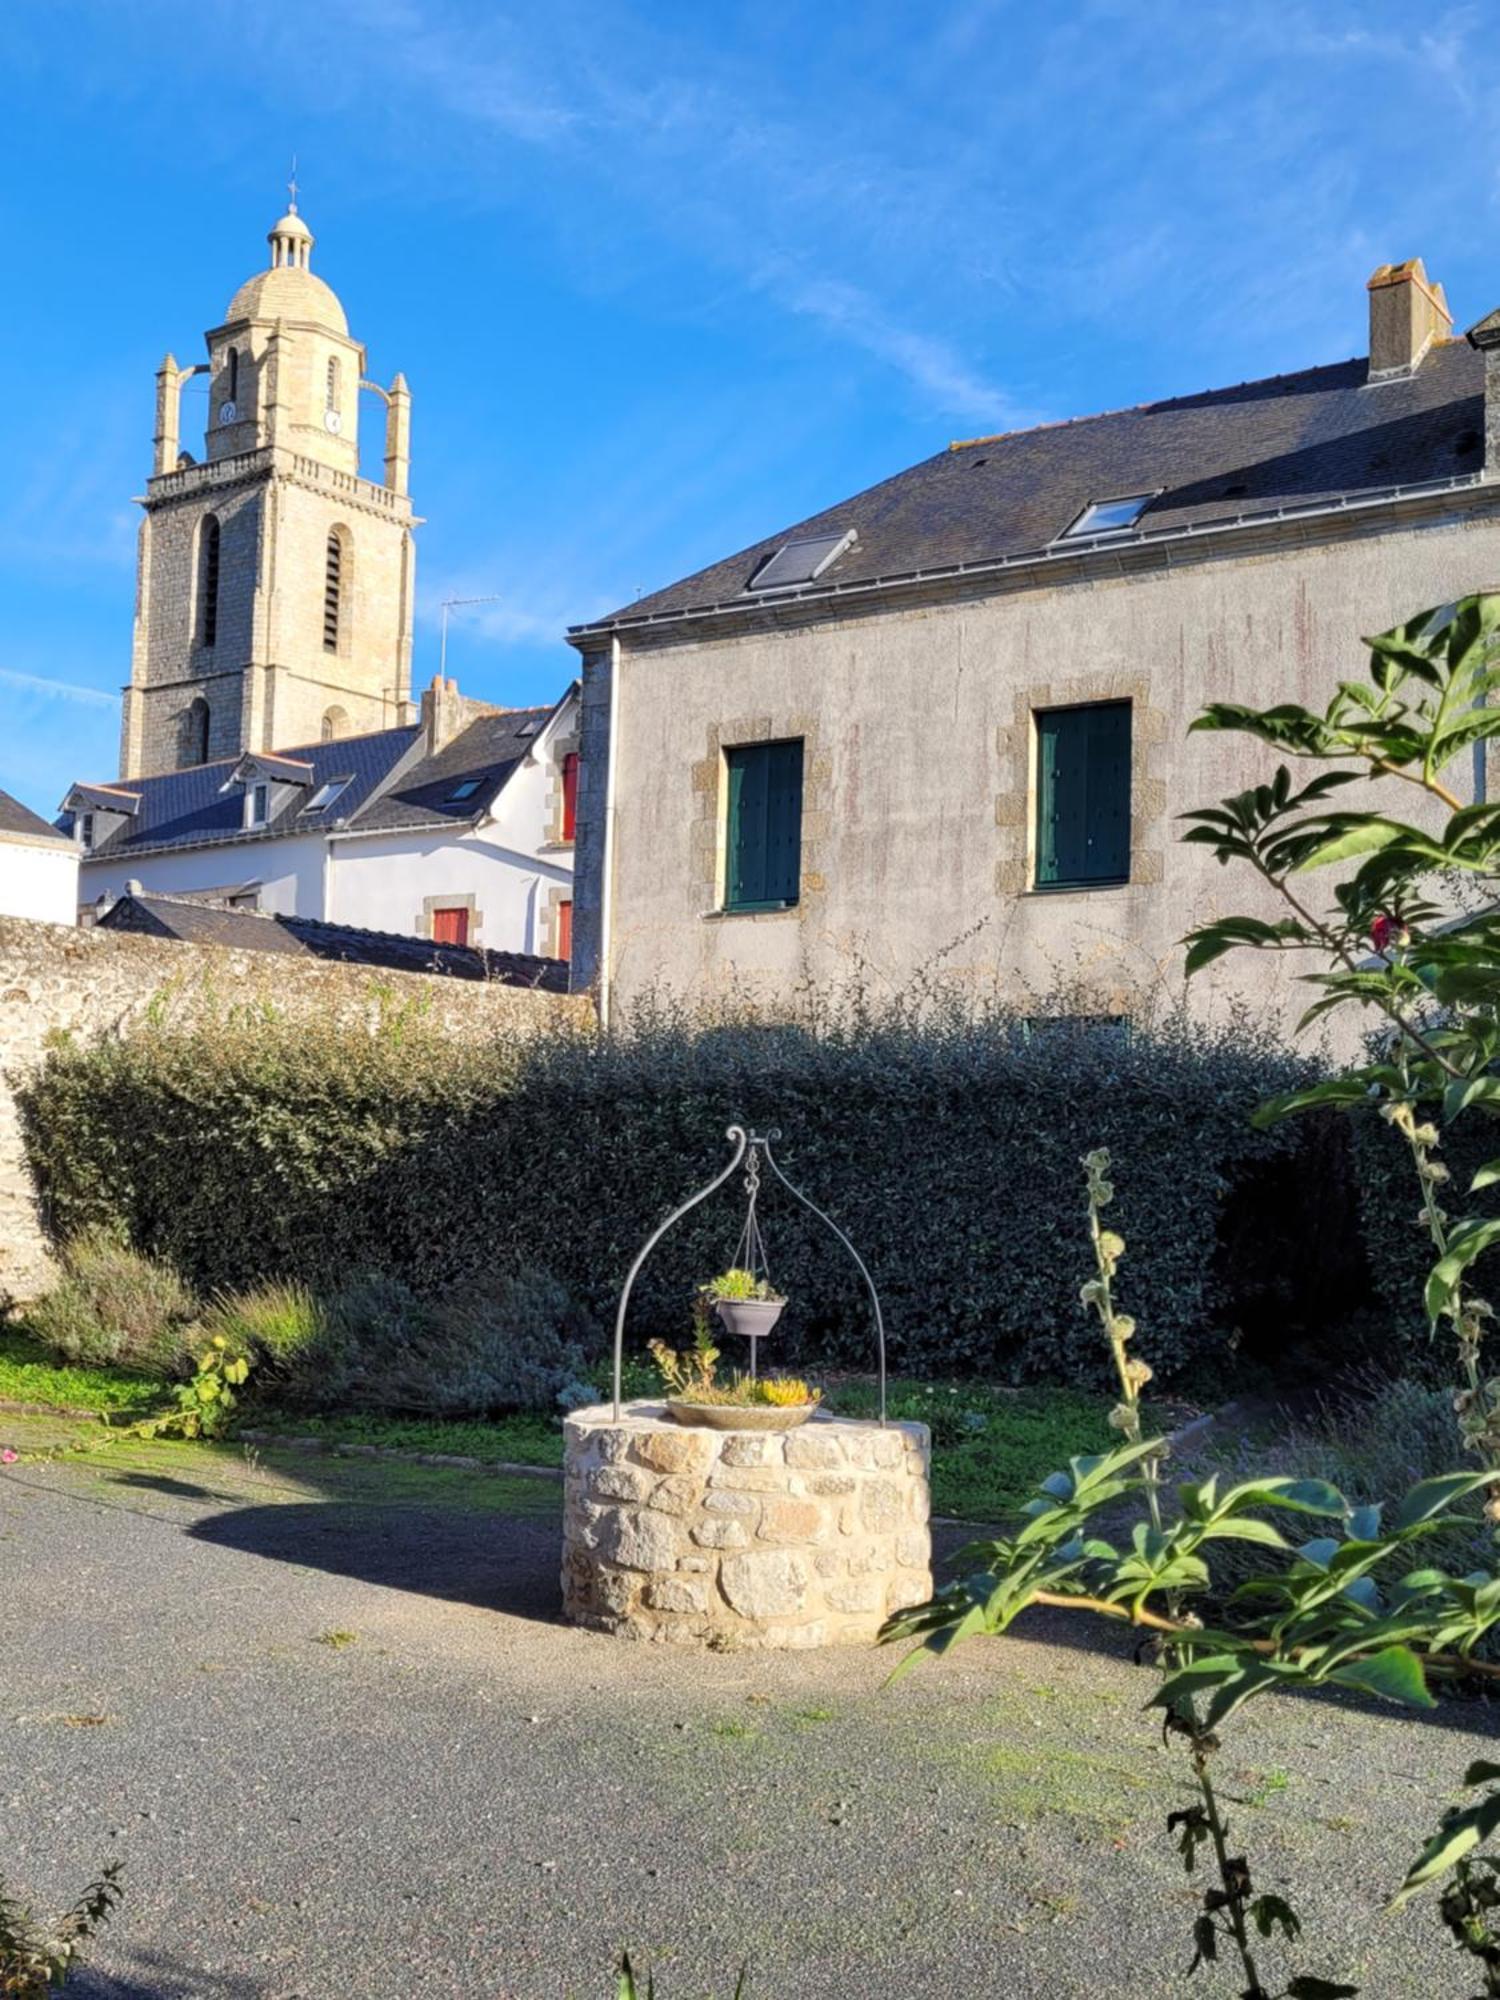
(1408, 313)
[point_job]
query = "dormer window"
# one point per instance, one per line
(86, 832)
(326, 793)
(258, 804)
(1108, 517)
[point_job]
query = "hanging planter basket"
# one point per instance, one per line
(753, 1319)
(750, 1318)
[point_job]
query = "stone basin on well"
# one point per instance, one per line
(804, 1537)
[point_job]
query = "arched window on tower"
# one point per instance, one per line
(337, 580)
(331, 398)
(208, 582)
(232, 375)
(193, 746)
(335, 723)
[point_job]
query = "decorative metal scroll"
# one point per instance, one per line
(754, 1144)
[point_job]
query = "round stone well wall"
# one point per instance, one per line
(807, 1537)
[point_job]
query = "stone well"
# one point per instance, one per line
(807, 1537)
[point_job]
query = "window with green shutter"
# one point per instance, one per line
(763, 830)
(1083, 795)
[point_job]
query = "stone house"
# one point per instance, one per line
(944, 724)
(38, 866)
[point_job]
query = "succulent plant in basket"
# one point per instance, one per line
(745, 1304)
(696, 1396)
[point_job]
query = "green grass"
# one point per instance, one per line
(517, 1440)
(990, 1446)
(29, 1374)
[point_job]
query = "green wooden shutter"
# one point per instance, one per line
(763, 835)
(1108, 792)
(1083, 794)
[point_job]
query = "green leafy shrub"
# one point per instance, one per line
(113, 1305)
(941, 1137)
(206, 1402)
(519, 1343)
(37, 1958)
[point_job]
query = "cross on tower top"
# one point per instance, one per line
(292, 185)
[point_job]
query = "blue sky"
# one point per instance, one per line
(666, 277)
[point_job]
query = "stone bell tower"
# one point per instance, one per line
(274, 584)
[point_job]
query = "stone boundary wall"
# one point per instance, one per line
(698, 1537)
(55, 979)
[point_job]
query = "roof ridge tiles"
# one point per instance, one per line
(1161, 402)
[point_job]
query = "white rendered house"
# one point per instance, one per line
(38, 867)
(457, 828)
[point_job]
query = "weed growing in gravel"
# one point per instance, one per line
(38, 1958)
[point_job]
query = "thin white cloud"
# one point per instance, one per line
(70, 691)
(704, 162)
(933, 366)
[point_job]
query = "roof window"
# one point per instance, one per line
(1108, 517)
(800, 562)
(466, 790)
(326, 793)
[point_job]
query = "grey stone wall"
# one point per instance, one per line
(588, 830)
(90, 984)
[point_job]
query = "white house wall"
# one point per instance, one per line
(38, 882)
(289, 871)
(389, 882)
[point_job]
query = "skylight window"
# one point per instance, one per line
(325, 795)
(464, 791)
(800, 562)
(1108, 517)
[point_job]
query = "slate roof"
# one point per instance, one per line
(189, 809)
(20, 822)
(197, 922)
(1326, 435)
(489, 749)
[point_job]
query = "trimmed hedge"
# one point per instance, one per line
(948, 1148)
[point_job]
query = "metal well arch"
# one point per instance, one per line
(744, 1143)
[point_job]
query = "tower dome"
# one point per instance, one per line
(288, 290)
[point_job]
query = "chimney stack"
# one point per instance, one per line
(442, 712)
(1408, 313)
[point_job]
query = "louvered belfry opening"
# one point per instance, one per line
(210, 619)
(333, 584)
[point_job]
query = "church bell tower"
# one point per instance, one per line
(274, 584)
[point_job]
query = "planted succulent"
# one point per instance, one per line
(735, 1285)
(696, 1396)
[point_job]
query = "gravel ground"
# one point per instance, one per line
(324, 1713)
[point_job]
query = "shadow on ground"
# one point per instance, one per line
(496, 1561)
(155, 1976)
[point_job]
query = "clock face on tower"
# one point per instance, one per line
(332, 421)
(227, 413)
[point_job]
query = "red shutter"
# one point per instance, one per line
(450, 927)
(565, 930)
(570, 795)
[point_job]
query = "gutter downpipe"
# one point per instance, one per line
(607, 886)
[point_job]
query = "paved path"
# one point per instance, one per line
(324, 1713)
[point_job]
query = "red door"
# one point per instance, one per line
(450, 927)
(570, 796)
(565, 930)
